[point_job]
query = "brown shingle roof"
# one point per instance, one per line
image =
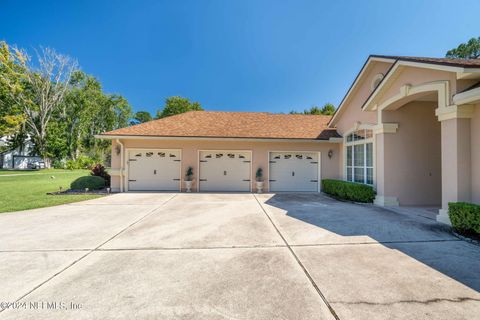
(234, 125)
(465, 63)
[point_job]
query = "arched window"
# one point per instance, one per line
(376, 81)
(359, 156)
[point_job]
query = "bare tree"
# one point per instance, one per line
(45, 84)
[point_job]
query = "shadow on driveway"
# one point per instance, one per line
(332, 222)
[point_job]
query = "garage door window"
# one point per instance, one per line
(359, 159)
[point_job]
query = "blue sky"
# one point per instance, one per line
(236, 55)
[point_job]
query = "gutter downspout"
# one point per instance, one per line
(121, 163)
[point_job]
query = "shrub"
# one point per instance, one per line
(90, 182)
(348, 190)
(189, 174)
(465, 217)
(98, 170)
(82, 162)
(58, 164)
(259, 175)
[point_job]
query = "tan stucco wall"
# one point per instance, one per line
(352, 109)
(411, 164)
(475, 150)
(329, 167)
(456, 161)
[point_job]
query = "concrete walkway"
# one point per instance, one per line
(232, 256)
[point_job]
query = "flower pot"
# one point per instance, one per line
(188, 185)
(259, 186)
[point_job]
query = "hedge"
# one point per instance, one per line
(465, 217)
(90, 182)
(348, 190)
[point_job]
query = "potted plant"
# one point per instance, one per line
(259, 180)
(189, 179)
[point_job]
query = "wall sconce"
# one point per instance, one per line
(117, 149)
(330, 154)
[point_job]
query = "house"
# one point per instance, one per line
(408, 126)
(19, 157)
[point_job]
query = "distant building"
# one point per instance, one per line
(20, 157)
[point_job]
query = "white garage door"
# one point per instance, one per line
(154, 170)
(225, 171)
(294, 171)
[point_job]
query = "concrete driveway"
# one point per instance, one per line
(232, 256)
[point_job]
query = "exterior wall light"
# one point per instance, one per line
(330, 154)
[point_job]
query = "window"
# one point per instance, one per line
(376, 81)
(359, 156)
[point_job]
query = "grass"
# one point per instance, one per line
(22, 191)
(29, 172)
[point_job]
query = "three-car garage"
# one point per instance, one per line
(223, 170)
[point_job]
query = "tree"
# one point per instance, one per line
(45, 85)
(59, 107)
(327, 109)
(469, 50)
(141, 117)
(176, 105)
(11, 73)
(79, 110)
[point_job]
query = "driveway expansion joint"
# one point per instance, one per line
(304, 269)
(92, 250)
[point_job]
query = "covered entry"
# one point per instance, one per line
(223, 170)
(294, 171)
(154, 169)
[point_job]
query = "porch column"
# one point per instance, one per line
(456, 156)
(382, 132)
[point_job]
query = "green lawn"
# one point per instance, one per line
(43, 171)
(28, 190)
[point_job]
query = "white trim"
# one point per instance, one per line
(372, 140)
(441, 87)
(126, 173)
(224, 151)
(134, 137)
(385, 128)
(470, 96)
(465, 111)
(319, 165)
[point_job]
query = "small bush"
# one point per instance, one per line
(82, 162)
(348, 190)
(90, 182)
(99, 170)
(58, 164)
(465, 217)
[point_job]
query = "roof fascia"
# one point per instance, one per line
(467, 97)
(137, 137)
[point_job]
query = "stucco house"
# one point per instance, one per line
(408, 126)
